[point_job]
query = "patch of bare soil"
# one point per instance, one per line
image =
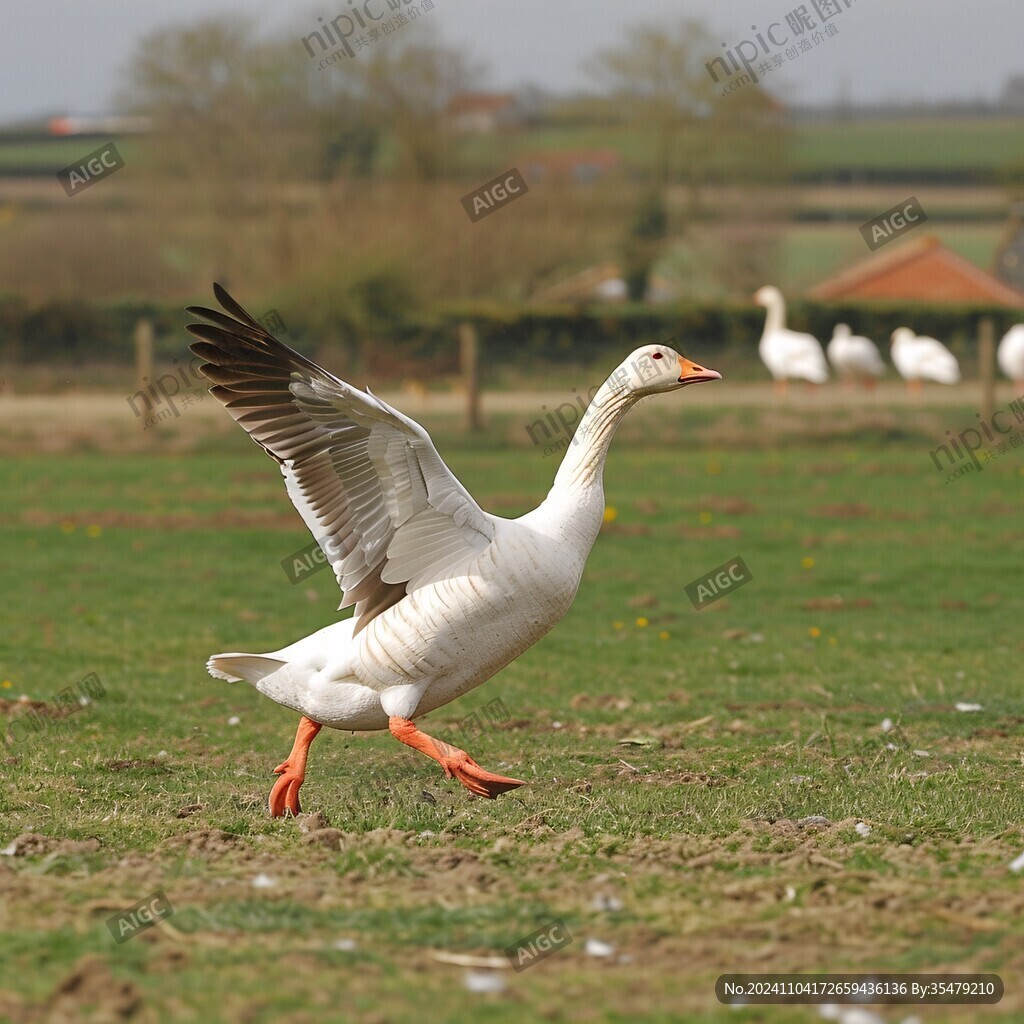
(720, 531)
(132, 764)
(91, 984)
(670, 777)
(775, 895)
(724, 504)
(209, 842)
(626, 529)
(29, 844)
(116, 518)
(847, 510)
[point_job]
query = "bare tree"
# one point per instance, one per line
(657, 82)
(410, 85)
(235, 119)
(227, 108)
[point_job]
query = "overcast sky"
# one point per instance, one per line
(66, 55)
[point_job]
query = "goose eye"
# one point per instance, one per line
(657, 355)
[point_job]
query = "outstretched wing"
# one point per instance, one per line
(387, 512)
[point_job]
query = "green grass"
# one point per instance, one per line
(55, 154)
(911, 144)
(747, 717)
(905, 144)
(809, 254)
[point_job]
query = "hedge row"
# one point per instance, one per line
(71, 333)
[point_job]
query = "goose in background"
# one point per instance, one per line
(854, 357)
(1011, 355)
(445, 594)
(919, 358)
(787, 354)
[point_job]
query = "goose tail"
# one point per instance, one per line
(235, 667)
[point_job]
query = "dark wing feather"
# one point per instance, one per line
(368, 482)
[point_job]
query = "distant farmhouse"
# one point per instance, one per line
(482, 113)
(922, 270)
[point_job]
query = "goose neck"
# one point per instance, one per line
(577, 493)
(776, 317)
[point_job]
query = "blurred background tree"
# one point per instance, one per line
(657, 84)
(409, 87)
(233, 123)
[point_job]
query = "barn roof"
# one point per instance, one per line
(919, 270)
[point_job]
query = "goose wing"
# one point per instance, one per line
(936, 360)
(864, 355)
(803, 356)
(1011, 352)
(368, 482)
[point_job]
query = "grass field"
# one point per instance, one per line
(810, 253)
(672, 755)
(911, 143)
(54, 154)
(904, 144)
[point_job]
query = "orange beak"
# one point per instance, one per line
(691, 373)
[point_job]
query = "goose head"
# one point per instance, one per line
(841, 331)
(654, 369)
(769, 295)
(901, 336)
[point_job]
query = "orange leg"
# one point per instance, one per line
(915, 387)
(455, 762)
(285, 794)
(780, 387)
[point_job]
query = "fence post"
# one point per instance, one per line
(468, 364)
(143, 353)
(987, 367)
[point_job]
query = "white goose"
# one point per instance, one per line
(445, 594)
(1011, 354)
(920, 358)
(853, 356)
(787, 353)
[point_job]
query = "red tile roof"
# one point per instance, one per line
(921, 270)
